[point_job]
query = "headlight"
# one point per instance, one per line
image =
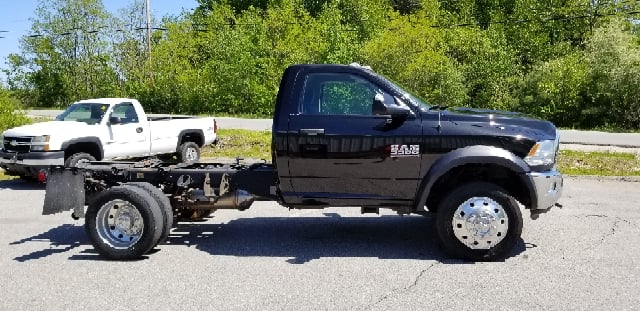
(542, 153)
(40, 143)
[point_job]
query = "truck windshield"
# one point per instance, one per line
(422, 104)
(90, 113)
(414, 99)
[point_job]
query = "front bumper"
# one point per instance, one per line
(12, 159)
(548, 188)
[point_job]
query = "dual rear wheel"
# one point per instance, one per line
(126, 222)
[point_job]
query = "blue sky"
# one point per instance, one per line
(15, 15)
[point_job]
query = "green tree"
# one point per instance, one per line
(414, 54)
(489, 65)
(67, 56)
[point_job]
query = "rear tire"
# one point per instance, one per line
(79, 157)
(123, 223)
(163, 202)
(188, 152)
(479, 221)
(166, 157)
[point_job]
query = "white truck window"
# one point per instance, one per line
(126, 112)
(90, 113)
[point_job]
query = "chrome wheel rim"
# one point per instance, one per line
(82, 161)
(119, 224)
(480, 223)
(191, 154)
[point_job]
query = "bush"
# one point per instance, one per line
(594, 88)
(614, 57)
(10, 112)
(556, 90)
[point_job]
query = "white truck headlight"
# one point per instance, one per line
(40, 143)
(542, 153)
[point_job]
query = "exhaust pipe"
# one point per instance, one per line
(239, 199)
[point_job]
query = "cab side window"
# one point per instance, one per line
(338, 94)
(126, 112)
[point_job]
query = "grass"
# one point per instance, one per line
(598, 163)
(40, 119)
(257, 145)
(5, 177)
(606, 129)
(242, 143)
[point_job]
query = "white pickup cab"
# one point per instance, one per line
(103, 129)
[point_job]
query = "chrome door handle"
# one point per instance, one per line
(312, 131)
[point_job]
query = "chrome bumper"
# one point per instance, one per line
(32, 158)
(548, 187)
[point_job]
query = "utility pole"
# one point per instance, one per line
(148, 14)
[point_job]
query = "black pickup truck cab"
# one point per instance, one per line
(342, 136)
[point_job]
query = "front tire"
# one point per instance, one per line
(188, 152)
(479, 221)
(123, 223)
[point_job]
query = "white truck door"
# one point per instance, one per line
(128, 134)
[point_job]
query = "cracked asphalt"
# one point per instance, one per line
(584, 256)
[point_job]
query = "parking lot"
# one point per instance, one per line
(583, 256)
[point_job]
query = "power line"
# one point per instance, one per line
(198, 27)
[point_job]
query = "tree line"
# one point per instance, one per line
(575, 62)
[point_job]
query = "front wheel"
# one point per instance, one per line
(479, 221)
(124, 223)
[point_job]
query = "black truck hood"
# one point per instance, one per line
(462, 127)
(495, 122)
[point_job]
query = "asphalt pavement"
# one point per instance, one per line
(584, 256)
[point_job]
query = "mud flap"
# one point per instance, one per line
(65, 192)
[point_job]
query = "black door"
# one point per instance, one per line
(341, 153)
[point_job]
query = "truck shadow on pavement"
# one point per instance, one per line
(17, 184)
(58, 240)
(300, 239)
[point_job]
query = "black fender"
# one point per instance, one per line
(184, 133)
(88, 139)
(474, 155)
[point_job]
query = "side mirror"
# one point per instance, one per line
(385, 105)
(114, 120)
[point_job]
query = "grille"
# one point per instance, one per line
(17, 144)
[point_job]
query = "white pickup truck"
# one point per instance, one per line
(102, 129)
